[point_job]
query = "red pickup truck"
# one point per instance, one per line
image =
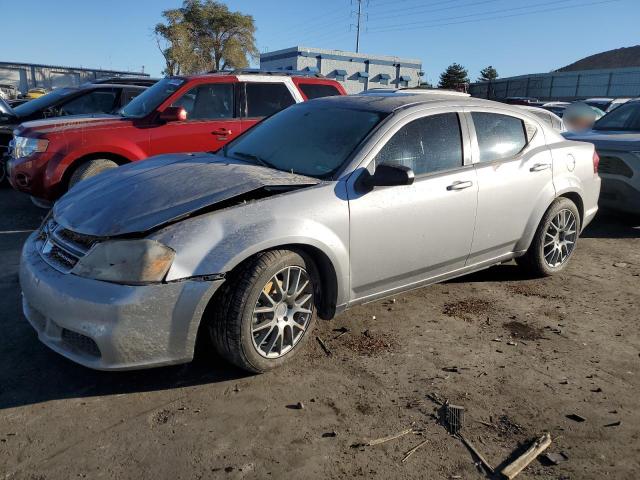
(177, 114)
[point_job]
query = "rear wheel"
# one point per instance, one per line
(555, 240)
(90, 169)
(265, 311)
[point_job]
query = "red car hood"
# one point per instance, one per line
(62, 124)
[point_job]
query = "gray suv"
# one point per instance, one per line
(325, 205)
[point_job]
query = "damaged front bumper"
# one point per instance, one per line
(107, 326)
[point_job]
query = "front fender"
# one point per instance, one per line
(218, 241)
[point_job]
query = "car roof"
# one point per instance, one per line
(390, 102)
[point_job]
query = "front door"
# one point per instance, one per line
(404, 235)
(211, 121)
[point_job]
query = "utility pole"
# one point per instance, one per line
(359, 15)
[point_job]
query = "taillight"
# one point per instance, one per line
(596, 161)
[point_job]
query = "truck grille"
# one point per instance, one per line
(62, 248)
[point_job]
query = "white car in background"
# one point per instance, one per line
(548, 117)
(606, 104)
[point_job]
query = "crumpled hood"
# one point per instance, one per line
(60, 124)
(144, 195)
(608, 139)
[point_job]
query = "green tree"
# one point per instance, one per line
(488, 74)
(205, 35)
(454, 77)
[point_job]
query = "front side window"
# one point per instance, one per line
(427, 145)
(308, 139)
(625, 117)
(499, 136)
(96, 101)
(151, 98)
(43, 102)
(208, 102)
(264, 99)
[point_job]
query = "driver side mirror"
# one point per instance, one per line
(173, 114)
(390, 175)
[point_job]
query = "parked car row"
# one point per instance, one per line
(302, 208)
(95, 98)
(177, 114)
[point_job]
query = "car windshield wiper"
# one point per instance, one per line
(251, 156)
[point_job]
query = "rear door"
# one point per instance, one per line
(211, 120)
(515, 182)
(262, 99)
(317, 88)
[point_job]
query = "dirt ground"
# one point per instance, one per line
(520, 355)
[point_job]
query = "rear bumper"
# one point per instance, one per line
(621, 195)
(106, 326)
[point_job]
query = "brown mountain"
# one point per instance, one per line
(618, 58)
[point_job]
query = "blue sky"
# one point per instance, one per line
(516, 37)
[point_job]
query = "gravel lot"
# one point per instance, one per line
(519, 354)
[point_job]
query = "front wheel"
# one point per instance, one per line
(265, 311)
(555, 240)
(90, 169)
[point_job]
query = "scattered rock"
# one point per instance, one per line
(614, 424)
(331, 434)
(466, 309)
(523, 331)
(621, 264)
(296, 406)
(556, 458)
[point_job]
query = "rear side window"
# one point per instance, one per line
(427, 145)
(208, 102)
(96, 101)
(499, 136)
(264, 99)
(314, 90)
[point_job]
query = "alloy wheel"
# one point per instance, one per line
(282, 313)
(560, 238)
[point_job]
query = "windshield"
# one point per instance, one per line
(308, 138)
(151, 98)
(625, 117)
(43, 102)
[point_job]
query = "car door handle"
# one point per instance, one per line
(460, 185)
(538, 167)
(221, 132)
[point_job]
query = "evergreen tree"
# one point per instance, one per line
(455, 77)
(488, 74)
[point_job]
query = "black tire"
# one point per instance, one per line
(90, 169)
(534, 261)
(232, 313)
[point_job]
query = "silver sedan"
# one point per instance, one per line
(323, 206)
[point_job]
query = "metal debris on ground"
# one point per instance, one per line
(454, 417)
(342, 331)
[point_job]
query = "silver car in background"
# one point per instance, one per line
(325, 205)
(616, 137)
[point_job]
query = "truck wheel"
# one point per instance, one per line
(265, 311)
(91, 169)
(555, 240)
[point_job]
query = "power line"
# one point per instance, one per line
(410, 11)
(417, 25)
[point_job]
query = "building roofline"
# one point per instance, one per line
(345, 53)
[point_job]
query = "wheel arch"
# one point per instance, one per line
(576, 198)
(69, 171)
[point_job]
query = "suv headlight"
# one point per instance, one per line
(25, 146)
(130, 262)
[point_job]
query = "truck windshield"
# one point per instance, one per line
(43, 102)
(151, 98)
(309, 138)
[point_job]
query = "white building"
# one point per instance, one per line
(356, 71)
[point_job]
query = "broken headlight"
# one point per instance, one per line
(130, 262)
(25, 146)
